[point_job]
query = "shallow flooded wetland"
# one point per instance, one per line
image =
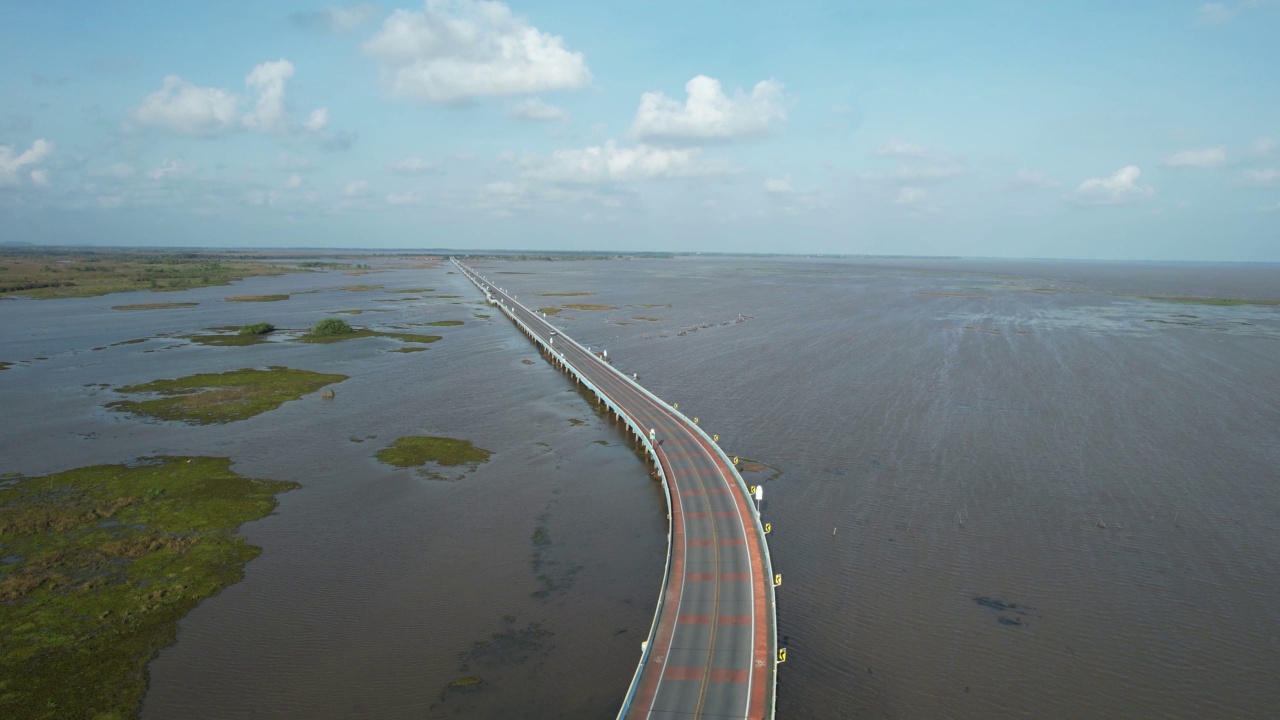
(996, 488)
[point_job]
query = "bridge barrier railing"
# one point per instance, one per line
(649, 448)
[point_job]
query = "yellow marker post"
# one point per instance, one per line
(695, 420)
(676, 405)
(751, 489)
(715, 438)
(768, 528)
(735, 459)
(777, 580)
(782, 655)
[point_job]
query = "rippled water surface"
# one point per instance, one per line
(1001, 489)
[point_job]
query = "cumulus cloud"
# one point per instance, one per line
(178, 106)
(613, 163)
(294, 181)
(897, 149)
(535, 110)
(318, 120)
(708, 114)
(1208, 157)
(268, 80)
(1262, 177)
(1119, 188)
(359, 188)
(335, 19)
(14, 164)
(1264, 147)
(183, 108)
(414, 166)
(456, 50)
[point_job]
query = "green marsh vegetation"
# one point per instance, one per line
(446, 323)
(550, 310)
(256, 298)
(209, 398)
(261, 328)
(100, 563)
(77, 272)
(586, 306)
(154, 306)
(336, 329)
(417, 450)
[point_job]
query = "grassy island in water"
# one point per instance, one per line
(97, 565)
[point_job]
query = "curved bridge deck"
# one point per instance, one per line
(711, 651)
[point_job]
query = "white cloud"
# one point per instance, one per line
(167, 168)
(415, 166)
(1264, 147)
(910, 196)
(359, 188)
(1034, 180)
(181, 107)
(410, 198)
(916, 174)
(779, 186)
(897, 149)
(1120, 188)
(536, 110)
(709, 114)
(294, 181)
(335, 19)
(1273, 207)
(1220, 13)
(455, 50)
(611, 163)
(791, 199)
(1214, 14)
(268, 79)
(12, 163)
(318, 121)
(1208, 157)
(1265, 177)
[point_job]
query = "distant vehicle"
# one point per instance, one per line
(554, 333)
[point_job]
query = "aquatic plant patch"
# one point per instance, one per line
(208, 398)
(257, 298)
(585, 306)
(99, 565)
(154, 306)
(416, 450)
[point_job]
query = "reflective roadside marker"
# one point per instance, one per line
(735, 459)
(752, 489)
(676, 406)
(715, 438)
(768, 528)
(777, 580)
(695, 420)
(782, 655)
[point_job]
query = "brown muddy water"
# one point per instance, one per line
(1006, 489)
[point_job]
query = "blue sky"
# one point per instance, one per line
(1113, 130)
